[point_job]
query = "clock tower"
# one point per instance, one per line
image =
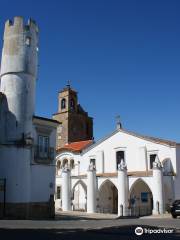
(74, 123)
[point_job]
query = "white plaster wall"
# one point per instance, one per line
(133, 153)
(42, 182)
(15, 167)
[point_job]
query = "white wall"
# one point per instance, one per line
(42, 182)
(15, 167)
(133, 146)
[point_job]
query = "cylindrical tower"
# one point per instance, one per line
(18, 75)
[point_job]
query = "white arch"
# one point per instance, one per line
(135, 180)
(110, 180)
(79, 195)
(81, 182)
(108, 197)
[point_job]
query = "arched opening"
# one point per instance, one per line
(65, 162)
(58, 167)
(108, 198)
(79, 196)
(72, 164)
(141, 199)
(72, 104)
(63, 103)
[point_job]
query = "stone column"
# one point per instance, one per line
(158, 201)
(91, 189)
(122, 189)
(66, 189)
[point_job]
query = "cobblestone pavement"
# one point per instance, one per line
(83, 226)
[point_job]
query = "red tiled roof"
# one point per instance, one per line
(75, 146)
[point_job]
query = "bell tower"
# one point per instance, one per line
(67, 100)
(74, 123)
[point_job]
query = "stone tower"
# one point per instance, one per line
(75, 124)
(18, 75)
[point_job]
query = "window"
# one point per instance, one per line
(65, 162)
(119, 157)
(58, 165)
(71, 164)
(43, 146)
(152, 158)
(72, 104)
(63, 103)
(58, 193)
(93, 161)
(144, 197)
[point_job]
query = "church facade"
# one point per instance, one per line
(124, 173)
(27, 142)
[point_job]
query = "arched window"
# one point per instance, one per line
(72, 104)
(58, 167)
(71, 164)
(63, 103)
(65, 162)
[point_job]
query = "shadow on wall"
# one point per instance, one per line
(8, 121)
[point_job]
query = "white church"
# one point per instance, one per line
(124, 173)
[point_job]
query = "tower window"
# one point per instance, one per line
(119, 157)
(63, 103)
(72, 104)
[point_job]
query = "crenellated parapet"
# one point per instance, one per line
(20, 47)
(18, 26)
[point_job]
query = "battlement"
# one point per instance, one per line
(17, 26)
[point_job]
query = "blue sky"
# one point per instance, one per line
(123, 58)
